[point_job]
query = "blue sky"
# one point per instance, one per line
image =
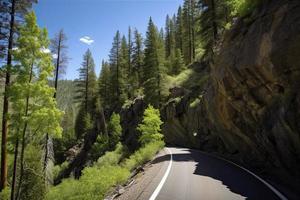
(98, 20)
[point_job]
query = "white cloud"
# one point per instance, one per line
(87, 40)
(15, 48)
(54, 56)
(45, 50)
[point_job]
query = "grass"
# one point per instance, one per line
(110, 170)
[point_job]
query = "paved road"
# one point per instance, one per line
(194, 175)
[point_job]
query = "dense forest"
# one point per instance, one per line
(74, 139)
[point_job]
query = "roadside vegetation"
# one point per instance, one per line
(114, 167)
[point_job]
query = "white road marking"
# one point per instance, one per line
(279, 194)
(163, 180)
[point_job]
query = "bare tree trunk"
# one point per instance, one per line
(54, 96)
(3, 180)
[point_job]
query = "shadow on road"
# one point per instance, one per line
(235, 179)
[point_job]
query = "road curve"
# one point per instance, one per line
(194, 175)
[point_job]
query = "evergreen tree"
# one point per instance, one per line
(214, 17)
(178, 62)
(86, 84)
(169, 37)
(124, 66)
(179, 30)
(86, 96)
(130, 50)
(153, 65)
(104, 84)
(33, 105)
(118, 75)
(11, 14)
(189, 29)
(137, 58)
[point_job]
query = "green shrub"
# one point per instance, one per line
(143, 155)
(5, 194)
(242, 8)
(98, 180)
(112, 157)
(100, 146)
(58, 168)
(33, 185)
(150, 127)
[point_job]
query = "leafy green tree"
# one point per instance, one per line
(33, 105)
(11, 14)
(153, 65)
(150, 126)
(114, 129)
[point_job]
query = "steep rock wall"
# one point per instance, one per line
(249, 110)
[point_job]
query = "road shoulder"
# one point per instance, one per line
(145, 182)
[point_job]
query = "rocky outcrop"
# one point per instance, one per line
(249, 108)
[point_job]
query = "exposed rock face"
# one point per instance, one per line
(130, 118)
(250, 108)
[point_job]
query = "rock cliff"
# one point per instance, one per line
(248, 110)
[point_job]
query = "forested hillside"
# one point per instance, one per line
(221, 76)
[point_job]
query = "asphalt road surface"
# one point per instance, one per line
(193, 175)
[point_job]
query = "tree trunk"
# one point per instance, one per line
(3, 179)
(54, 96)
(23, 138)
(13, 184)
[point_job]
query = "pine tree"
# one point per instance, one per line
(137, 58)
(10, 12)
(179, 30)
(104, 84)
(33, 105)
(117, 75)
(130, 50)
(124, 67)
(214, 17)
(178, 63)
(189, 29)
(87, 84)
(153, 65)
(169, 36)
